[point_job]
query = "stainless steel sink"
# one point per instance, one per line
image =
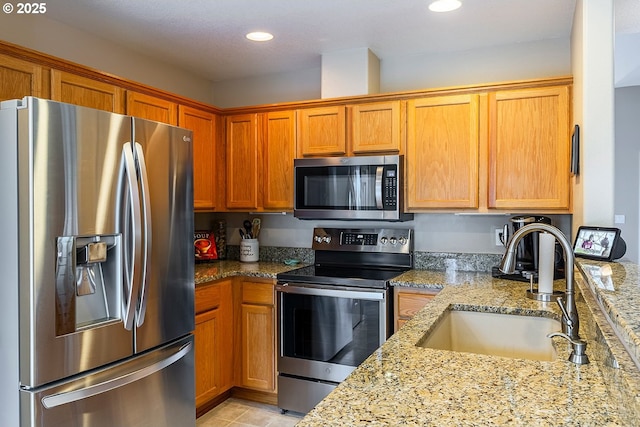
(505, 335)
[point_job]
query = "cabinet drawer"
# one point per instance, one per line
(257, 293)
(207, 298)
(410, 303)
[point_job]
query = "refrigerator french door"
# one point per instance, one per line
(97, 295)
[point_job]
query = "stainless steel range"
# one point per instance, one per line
(332, 315)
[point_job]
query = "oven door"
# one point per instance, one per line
(325, 332)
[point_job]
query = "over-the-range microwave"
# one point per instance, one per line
(350, 188)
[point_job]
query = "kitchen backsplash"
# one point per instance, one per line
(422, 260)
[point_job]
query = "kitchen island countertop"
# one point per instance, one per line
(401, 384)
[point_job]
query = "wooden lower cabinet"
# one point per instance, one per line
(258, 341)
(213, 341)
(408, 301)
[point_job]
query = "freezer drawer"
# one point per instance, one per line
(155, 389)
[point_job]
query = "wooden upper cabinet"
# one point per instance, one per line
(529, 149)
(322, 132)
(242, 161)
(375, 127)
(19, 79)
(202, 124)
(79, 90)
(442, 152)
(152, 108)
(278, 151)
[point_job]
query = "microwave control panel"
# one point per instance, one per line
(390, 190)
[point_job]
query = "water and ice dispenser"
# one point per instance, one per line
(88, 282)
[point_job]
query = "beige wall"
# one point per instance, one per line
(593, 109)
(59, 40)
(547, 58)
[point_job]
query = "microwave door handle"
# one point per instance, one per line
(379, 176)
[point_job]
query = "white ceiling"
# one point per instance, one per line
(207, 36)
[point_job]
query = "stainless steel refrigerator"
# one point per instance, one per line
(96, 269)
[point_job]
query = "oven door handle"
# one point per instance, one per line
(326, 292)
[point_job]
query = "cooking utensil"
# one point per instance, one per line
(247, 228)
(242, 235)
(255, 229)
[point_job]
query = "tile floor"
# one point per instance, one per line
(243, 413)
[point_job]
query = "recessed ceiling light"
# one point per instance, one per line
(259, 36)
(444, 5)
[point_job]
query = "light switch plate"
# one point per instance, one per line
(619, 219)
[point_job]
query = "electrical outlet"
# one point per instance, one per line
(498, 234)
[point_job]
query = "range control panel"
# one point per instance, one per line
(394, 240)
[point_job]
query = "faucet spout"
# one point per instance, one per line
(570, 322)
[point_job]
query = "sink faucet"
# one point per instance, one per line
(570, 321)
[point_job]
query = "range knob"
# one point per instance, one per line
(318, 239)
(384, 240)
(326, 239)
(403, 240)
(393, 240)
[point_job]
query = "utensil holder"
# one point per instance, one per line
(249, 250)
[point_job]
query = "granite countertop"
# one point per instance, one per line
(401, 384)
(207, 272)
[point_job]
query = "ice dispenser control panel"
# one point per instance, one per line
(88, 281)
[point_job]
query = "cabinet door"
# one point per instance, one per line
(19, 78)
(151, 108)
(321, 131)
(278, 151)
(78, 90)
(529, 149)
(408, 301)
(258, 336)
(213, 340)
(376, 127)
(202, 124)
(442, 152)
(258, 347)
(242, 161)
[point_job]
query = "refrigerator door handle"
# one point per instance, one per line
(131, 232)
(146, 249)
(64, 398)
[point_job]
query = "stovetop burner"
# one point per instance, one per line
(366, 258)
